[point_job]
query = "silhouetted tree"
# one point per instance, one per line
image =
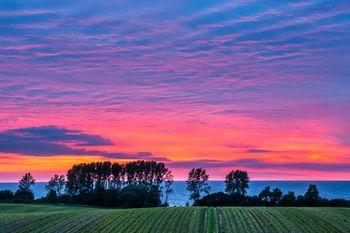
(56, 183)
(96, 183)
(265, 195)
(214, 199)
(197, 183)
(169, 179)
(26, 182)
(23, 196)
(237, 182)
(113, 198)
(134, 196)
(101, 174)
(147, 173)
(270, 198)
(72, 183)
(51, 196)
(300, 200)
(6, 195)
(102, 171)
(117, 178)
(276, 196)
(288, 199)
(312, 196)
(157, 174)
(80, 179)
(131, 172)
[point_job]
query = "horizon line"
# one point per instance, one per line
(224, 180)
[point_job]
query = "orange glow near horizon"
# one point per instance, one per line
(180, 140)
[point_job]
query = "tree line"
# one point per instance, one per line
(236, 186)
(134, 184)
(149, 184)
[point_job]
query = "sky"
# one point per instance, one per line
(262, 86)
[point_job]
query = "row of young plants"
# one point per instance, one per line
(50, 218)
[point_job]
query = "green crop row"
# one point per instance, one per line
(50, 218)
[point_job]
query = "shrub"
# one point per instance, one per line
(339, 202)
(113, 198)
(98, 195)
(6, 195)
(214, 199)
(65, 198)
(288, 199)
(23, 196)
(134, 196)
(51, 196)
(223, 199)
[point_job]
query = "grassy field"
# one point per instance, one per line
(50, 218)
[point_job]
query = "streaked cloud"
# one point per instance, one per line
(252, 164)
(177, 78)
(56, 141)
(54, 134)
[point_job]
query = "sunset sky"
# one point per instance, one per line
(262, 86)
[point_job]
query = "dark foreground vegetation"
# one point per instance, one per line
(131, 185)
(236, 185)
(148, 184)
(56, 218)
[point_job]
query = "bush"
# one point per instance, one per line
(339, 202)
(6, 195)
(134, 196)
(112, 198)
(222, 199)
(84, 198)
(288, 199)
(214, 199)
(312, 197)
(23, 196)
(153, 198)
(51, 196)
(66, 199)
(253, 201)
(98, 196)
(131, 196)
